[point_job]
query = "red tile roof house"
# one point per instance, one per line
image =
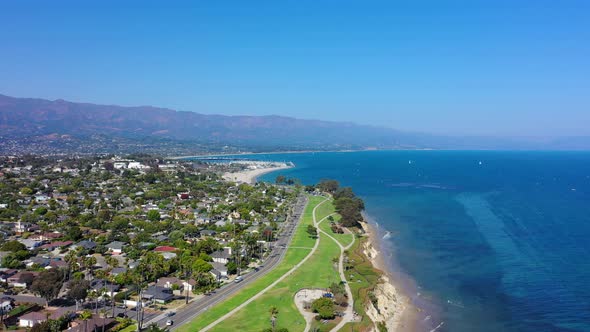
(165, 249)
(54, 245)
(46, 236)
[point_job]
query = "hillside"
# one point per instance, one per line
(30, 125)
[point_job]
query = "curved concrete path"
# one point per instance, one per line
(317, 242)
(349, 312)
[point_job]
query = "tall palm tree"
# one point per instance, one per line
(103, 313)
(85, 316)
(273, 316)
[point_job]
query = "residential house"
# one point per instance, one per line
(208, 232)
(169, 282)
(165, 249)
(111, 289)
(158, 294)
(86, 244)
(30, 244)
(31, 318)
(118, 270)
(222, 256)
(55, 245)
(161, 238)
(7, 273)
(116, 247)
(189, 285)
(221, 268)
(95, 323)
(47, 236)
(37, 261)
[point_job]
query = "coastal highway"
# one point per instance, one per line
(197, 307)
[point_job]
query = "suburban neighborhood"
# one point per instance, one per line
(116, 243)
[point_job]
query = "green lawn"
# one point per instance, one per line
(130, 328)
(344, 239)
(292, 257)
(325, 209)
(317, 272)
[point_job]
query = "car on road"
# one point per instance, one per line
(238, 279)
(121, 315)
(170, 313)
(169, 322)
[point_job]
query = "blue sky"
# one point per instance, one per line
(506, 68)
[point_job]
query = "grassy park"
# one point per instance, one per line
(300, 240)
(318, 272)
(344, 239)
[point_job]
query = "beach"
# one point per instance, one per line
(250, 174)
(394, 305)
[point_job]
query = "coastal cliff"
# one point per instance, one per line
(386, 304)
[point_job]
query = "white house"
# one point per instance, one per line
(222, 256)
(30, 319)
(116, 247)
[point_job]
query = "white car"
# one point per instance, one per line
(238, 279)
(169, 322)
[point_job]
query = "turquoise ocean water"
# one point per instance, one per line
(490, 241)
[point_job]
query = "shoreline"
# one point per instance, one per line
(239, 154)
(273, 152)
(402, 315)
(251, 176)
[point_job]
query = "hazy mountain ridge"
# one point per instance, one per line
(26, 120)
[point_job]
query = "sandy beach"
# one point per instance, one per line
(251, 174)
(395, 307)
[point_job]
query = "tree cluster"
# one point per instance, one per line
(324, 307)
(347, 204)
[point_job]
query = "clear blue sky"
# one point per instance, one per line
(460, 67)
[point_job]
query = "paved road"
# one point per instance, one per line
(194, 309)
(130, 312)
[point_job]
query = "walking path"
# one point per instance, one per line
(349, 312)
(317, 242)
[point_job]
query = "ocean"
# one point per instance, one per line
(482, 240)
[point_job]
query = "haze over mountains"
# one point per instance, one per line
(27, 120)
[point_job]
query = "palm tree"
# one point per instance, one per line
(89, 263)
(155, 328)
(103, 313)
(71, 259)
(273, 316)
(85, 316)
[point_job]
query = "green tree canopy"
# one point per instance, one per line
(48, 284)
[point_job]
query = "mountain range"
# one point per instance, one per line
(31, 122)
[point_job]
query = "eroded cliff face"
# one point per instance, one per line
(385, 305)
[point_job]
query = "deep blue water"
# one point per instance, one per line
(499, 246)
